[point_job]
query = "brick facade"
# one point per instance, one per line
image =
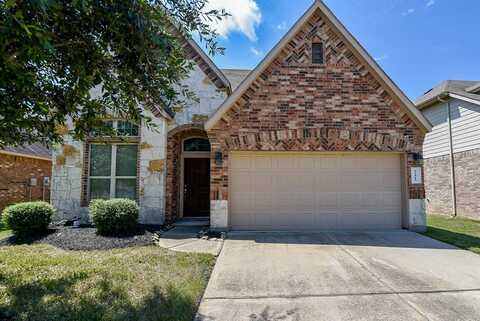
(15, 175)
(467, 177)
(174, 150)
(295, 105)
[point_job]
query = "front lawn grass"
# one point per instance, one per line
(461, 232)
(42, 282)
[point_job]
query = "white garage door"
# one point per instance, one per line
(298, 191)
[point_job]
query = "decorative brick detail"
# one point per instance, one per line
(438, 184)
(295, 105)
(15, 175)
(174, 150)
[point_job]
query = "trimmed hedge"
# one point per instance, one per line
(28, 218)
(115, 216)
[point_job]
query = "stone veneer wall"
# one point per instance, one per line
(298, 106)
(15, 174)
(70, 175)
(438, 184)
(207, 98)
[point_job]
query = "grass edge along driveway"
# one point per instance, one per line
(458, 231)
(42, 282)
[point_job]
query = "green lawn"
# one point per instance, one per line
(4, 231)
(461, 232)
(41, 282)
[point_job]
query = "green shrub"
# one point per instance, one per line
(115, 216)
(28, 218)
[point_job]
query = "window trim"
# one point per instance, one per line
(323, 53)
(113, 168)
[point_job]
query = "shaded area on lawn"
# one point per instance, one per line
(40, 282)
(461, 232)
(4, 231)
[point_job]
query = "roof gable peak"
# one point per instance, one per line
(366, 59)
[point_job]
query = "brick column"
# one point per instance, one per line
(417, 220)
(218, 185)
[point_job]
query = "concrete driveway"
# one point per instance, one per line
(388, 276)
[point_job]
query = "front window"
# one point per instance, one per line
(113, 171)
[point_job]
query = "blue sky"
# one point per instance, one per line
(418, 43)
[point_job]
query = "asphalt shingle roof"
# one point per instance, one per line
(465, 88)
(36, 149)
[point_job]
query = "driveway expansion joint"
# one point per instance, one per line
(327, 295)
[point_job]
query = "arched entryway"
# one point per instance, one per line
(188, 173)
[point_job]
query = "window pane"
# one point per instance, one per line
(100, 160)
(99, 188)
(196, 145)
(103, 131)
(126, 160)
(126, 128)
(126, 188)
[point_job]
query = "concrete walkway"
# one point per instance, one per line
(185, 239)
(387, 276)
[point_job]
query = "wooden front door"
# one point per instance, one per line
(196, 187)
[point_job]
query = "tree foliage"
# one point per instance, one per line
(54, 52)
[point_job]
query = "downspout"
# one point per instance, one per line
(452, 158)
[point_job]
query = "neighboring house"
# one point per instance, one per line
(25, 173)
(315, 137)
(452, 150)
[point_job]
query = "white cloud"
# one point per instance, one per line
(244, 17)
(256, 52)
(430, 3)
(408, 12)
(380, 58)
(282, 26)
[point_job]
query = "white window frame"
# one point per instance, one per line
(113, 169)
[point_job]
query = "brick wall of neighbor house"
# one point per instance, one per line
(15, 175)
(297, 106)
(438, 184)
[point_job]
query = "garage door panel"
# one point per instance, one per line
(391, 181)
(297, 191)
(262, 182)
(326, 200)
(241, 162)
(262, 162)
(242, 182)
(284, 162)
(326, 163)
(326, 181)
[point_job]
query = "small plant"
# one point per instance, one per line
(28, 218)
(115, 216)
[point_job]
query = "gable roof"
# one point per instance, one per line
(194, 52)
(461, 89)
(414, 113)
(236, 76)
(36, 150)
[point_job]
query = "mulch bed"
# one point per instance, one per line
(86, 238)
